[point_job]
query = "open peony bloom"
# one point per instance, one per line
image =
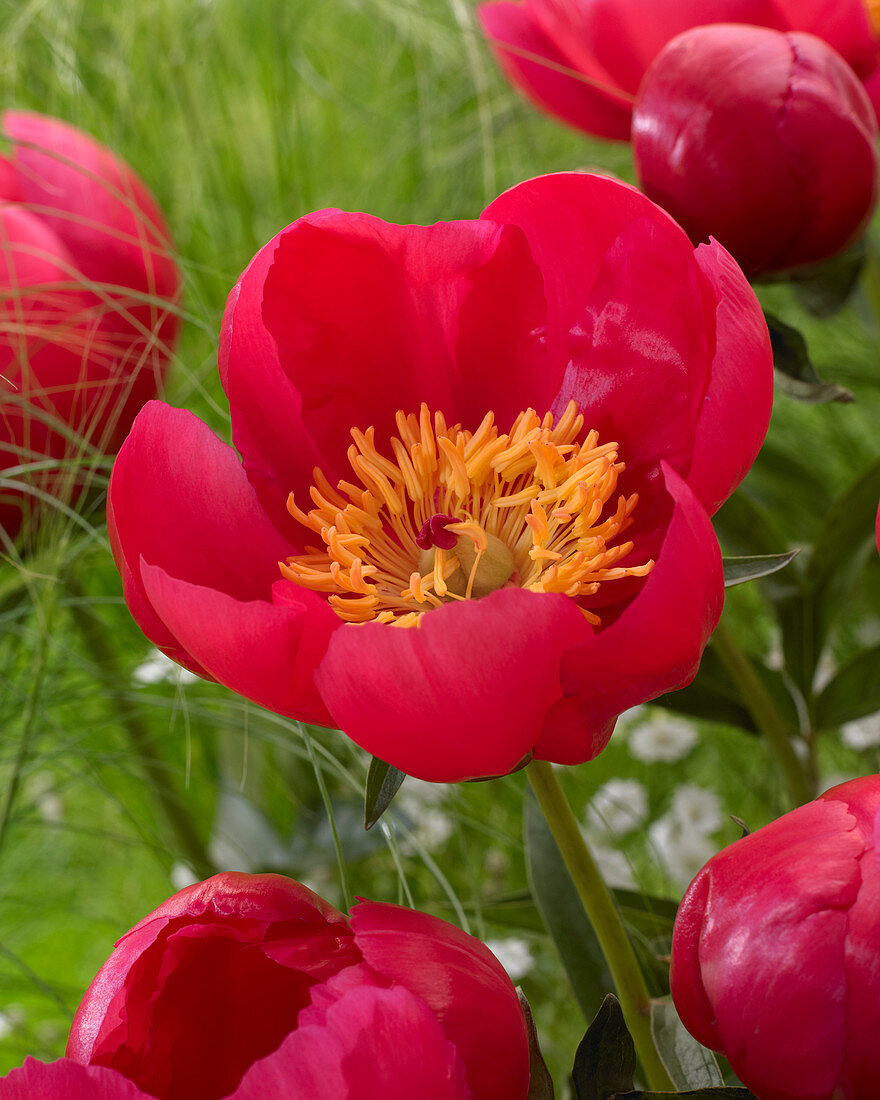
(88, 293)
(583, 60)
(470, 520)
(775, 951)
(253, 987)
(765, 140)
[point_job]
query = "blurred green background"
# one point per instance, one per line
(241, 116)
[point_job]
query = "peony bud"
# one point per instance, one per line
(243, 982)
(762, 139)
(88, 307)
(774, 951)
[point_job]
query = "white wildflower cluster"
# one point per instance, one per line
(421, 804)
(619, 807)
(158, 669)
(681, 839)
(514, 954)
(663, 738)
(862, 734)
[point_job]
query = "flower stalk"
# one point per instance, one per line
(601, 909)
(773, 727)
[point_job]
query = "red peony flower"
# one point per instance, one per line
(774, 952)
(765, 140)
(583, 60)
(252, 987)
(88, 290)
(502, 439)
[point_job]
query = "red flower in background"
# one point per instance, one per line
(765, 140)
(775, 951)
(583, 60)
(544, 406)
(253, 987)
(88, 290)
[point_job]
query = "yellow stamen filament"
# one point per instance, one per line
(531, 507)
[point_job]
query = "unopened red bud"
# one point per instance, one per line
(762, 139)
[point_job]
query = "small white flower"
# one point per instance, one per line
(415, 794)
(619, 806)
(157, 668)
(613, 866)
(6, 1026)
(825, 671)
(862, 734)
(514, 954)
(181, 876)
(419, 803)
(681, 850)
(665, 738)
(696, 809)
(800, 748)
(433, 828)
(50, 807)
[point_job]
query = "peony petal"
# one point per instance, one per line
(65, 1080)
(469, 685)
(374, 1044)
(654, 646)
(577, 90)
(630, 312)
(626, 35)
(461, 981)
(266, 652)
(366, 318)
(198, 519)
(735, 412)
(277, 451)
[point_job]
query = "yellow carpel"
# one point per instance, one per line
(455, 515)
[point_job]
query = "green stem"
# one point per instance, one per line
(602, 911)
(139, 735)
(774, 728)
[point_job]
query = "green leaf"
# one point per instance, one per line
(714, 696)
(540, 1081)
(383, 783)
(605, 1062)
(689, 1064)
(793, 370)
(713, 1092)
(853, 693)
(563, 914)
(749, 568)
(843, 540)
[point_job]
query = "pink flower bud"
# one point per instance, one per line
(774, 952)
(88, 306)
(762, 139)
(242, 984)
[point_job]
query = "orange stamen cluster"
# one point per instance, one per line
(536, 489)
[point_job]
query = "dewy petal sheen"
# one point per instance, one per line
(565, 385)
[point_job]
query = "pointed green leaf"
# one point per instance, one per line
(852, 693)
(793, 370)
(689, 1064)
(740, 570)
(605, 1062)
(563, 914)
(383, 783)
(540, 1081)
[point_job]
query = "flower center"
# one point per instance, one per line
(873, 7)
(459, 514)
